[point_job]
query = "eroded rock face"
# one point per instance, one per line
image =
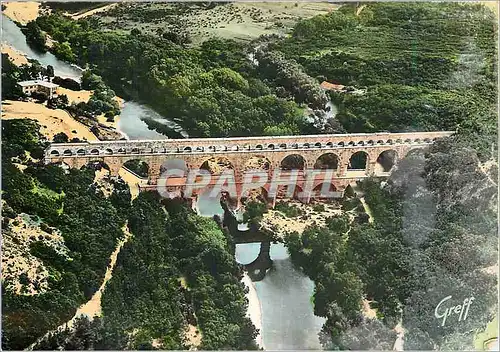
(22, 272)
(105, 133)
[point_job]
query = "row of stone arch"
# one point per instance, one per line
(213, 148)
(358, 161)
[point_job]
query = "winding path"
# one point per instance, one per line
(93, 307)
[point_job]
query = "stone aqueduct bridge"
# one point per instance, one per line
(239, 151)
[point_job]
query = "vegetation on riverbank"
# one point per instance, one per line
(88, 222)
(213, 90)
(168, 243)
(425, 66)
(413, 255)
(432, 236)
(434, 228)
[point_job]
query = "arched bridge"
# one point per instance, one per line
(351, 156)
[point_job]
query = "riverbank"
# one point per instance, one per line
(22, 12)
(277, 222)
(17, 57)
(254, 308)
(79, 96)
(52, 121)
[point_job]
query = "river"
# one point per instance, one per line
(133, 115)
(287, 318)
(12, 35)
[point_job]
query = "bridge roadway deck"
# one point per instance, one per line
(240, 144)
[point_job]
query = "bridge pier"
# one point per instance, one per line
(258, 268)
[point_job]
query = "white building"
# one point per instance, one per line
(48, 88)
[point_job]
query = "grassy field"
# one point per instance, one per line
(240, 21)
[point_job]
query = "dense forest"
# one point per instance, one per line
(421, 66)
(424, 67)
(433, 235)
(67, 203)
(167, 248)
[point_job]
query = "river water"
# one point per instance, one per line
(12, 35)
(132, 124)
(288, 321)
(287, 317)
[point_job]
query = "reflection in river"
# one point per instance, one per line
(288, 320)
(12, 35)
(209, 206)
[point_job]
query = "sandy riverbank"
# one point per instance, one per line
(92, 12)
(22, 12)
(17, 57)
(254, 308)
(51, 121)
(278, 223)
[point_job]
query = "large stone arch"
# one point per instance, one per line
(386, 160)
(256, 194)
(217, 164)
(257, 162)
(293, 162)
(137, 166)
(327, 161)
(282, 191)
(358, 161)
(173, 164)
(322, 189)
(95, 164)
